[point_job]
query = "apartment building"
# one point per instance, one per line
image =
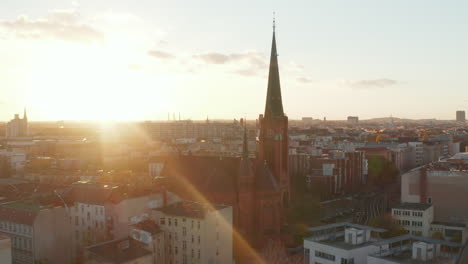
(39, 230)
(103, 212)
(196, 232)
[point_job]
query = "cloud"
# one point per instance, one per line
(61, 24)
(249, 63)
(305, 80)
(161, 54)
(253, 58)
(371, 84)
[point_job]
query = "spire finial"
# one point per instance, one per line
(274, 22)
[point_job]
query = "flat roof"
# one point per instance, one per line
(453, 224)
(416, 238)
(346, 224)
(406, 257)
(340, 243)
(413, 206)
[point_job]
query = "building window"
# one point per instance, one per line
(324, 255)
(184, 231)
(162, 221)
(429, 200)
(347, 261)
(175, 221)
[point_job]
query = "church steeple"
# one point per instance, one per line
(274, 104)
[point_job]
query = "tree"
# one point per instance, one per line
(381, 170)
(387, 222)
(275, 253)
(438, 235)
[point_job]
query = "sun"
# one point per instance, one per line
(84, 82)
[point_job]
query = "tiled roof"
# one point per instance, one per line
(148, 226)
(190, 209)
(118, 251)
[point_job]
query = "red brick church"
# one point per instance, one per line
(257, 189)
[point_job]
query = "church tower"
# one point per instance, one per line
(273, 140)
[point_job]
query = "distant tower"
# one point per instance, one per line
(17, 127)
(460, 116)
(273, 140)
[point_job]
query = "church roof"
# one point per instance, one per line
(265, 180)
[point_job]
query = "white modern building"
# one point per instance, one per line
(340, 243)
(409, 249)
(416, 218)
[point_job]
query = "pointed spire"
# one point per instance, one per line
(245, 147)
(274, 104)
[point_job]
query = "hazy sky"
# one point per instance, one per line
(139, 60)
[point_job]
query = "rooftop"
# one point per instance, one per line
(452, 224)
(413, 206)
(190, 209)
(148, 226)
(344, 225)
(118, 251)
(340, 243)
(406, 257)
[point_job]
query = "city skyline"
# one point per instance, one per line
(360, 58)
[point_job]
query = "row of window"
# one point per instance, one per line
(97, 210)
(408, 223)
(408, 213)
(97, 224)
(324, 255)
(176, 252)
(347, 261)
(15, 228)
(170, 236)
(21, 243)
(170, 221)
